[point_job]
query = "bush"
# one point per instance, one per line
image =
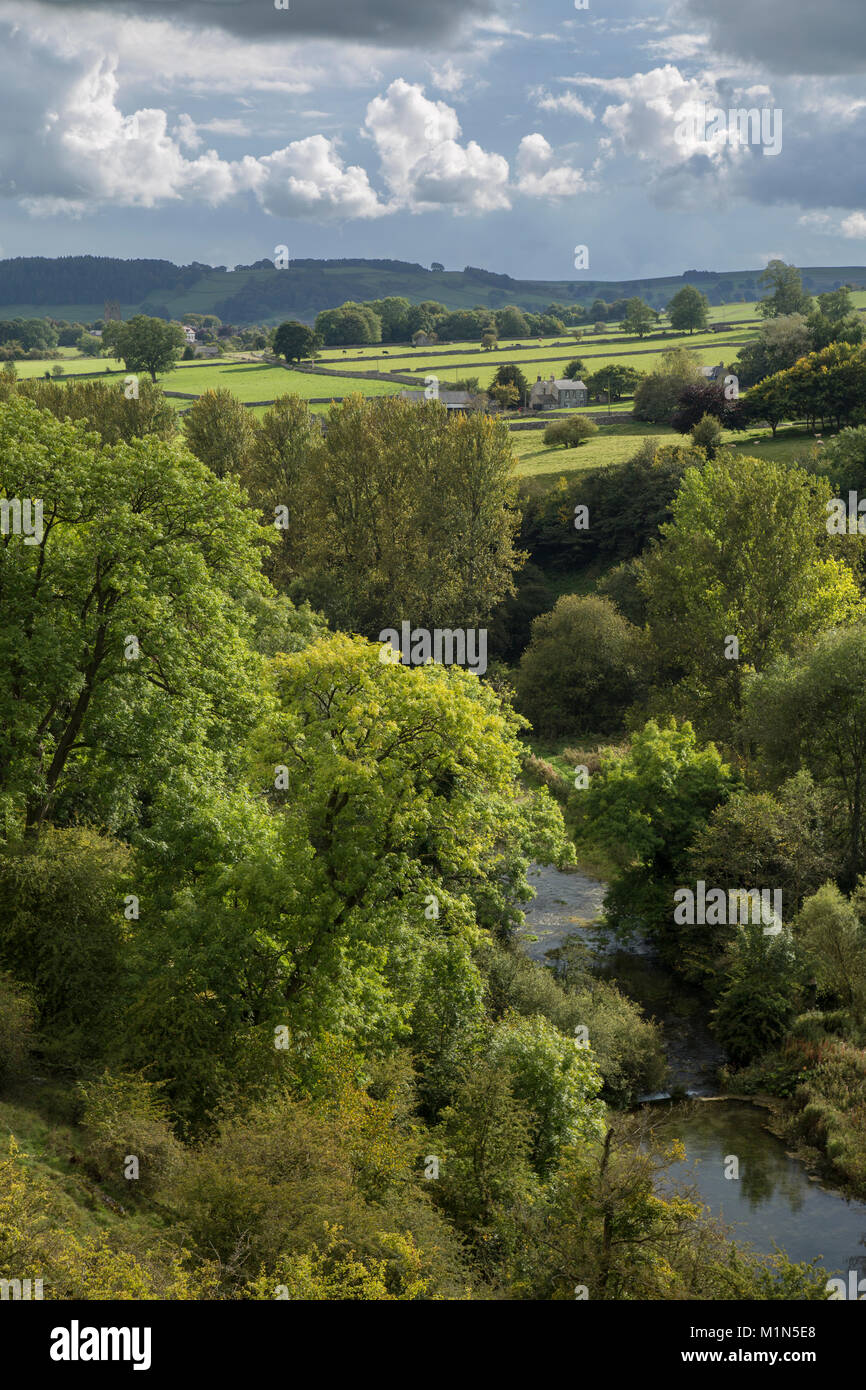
(127, 1116)
(582, 668)
(570, 432)
(62, 935)
(16, 1029)
(707, 435)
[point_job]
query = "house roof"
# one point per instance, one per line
(566, 384)
(445, 397)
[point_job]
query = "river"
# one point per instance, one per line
(774, 1199)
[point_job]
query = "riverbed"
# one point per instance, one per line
(773, 1199)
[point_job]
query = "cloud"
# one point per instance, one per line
(539, 176)
(386, 23)
(422, 161)
(853, 227)
(448, 77)
(786, 38)
(566, 101)
(308, 179)
(647, 117)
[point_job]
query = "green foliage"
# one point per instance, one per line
(219, 431)
(125, 1116)
(139, 540)
(405, 514)
(295, 341)
(570, 432)
(639, 317)
(688, 309)
(582, 668)
(704, 582)
(809, 711)
(831, 933)
(62, 934)
(707, 435)
(656, 395)
(757, 1002)
(555, 1081)
(104, 406)
(16, 1029)
(144, 344)
(644, 809)
(787, 294)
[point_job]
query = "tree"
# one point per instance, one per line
(273, 466)
(488, 341)
(123, 637)
(106, 407)
(436, 265)
(811, 711)
(463, 325)
(407, 514)
(689, 309)
(639, 318)
(394, 313)
(706, 398)
(781, 341)
(644, 807)
(656, 395)
(834, 319)
(769, 402)
(573, 369)
(830, 931)
(399, 786)
(556, 1083)
(788, 840)
(787, 294)
(612, 382)
(511, 322)
(508, 373)
(757, 1002)
(351, 323)
(506, 395)
(704, 584)
(581, 670)
(294, 341)
(144, 344)
(219, 431)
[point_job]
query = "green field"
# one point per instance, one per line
(251, 382)
(616, 443)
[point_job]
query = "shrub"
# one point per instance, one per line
(707, 435)
(126, 1116)
(570, 432)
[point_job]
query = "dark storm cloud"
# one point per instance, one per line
(790, 36)
(817, 168)
(385, 22)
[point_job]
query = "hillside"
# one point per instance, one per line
(76, 287)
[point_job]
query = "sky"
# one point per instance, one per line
(493, 133)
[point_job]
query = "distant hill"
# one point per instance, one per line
(76, 287)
